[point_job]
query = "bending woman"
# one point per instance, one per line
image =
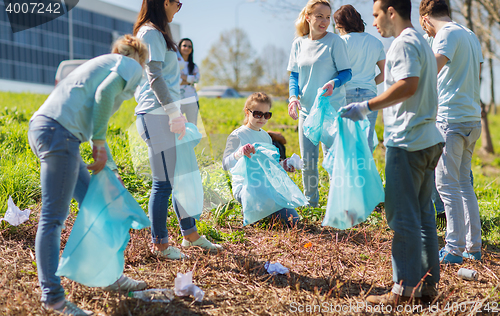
(76, 111)
(159, 119)
(318, 60)
(365, 51)
(189, 76)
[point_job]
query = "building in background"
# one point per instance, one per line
(29, 59)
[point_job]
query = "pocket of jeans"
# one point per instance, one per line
(41, 138)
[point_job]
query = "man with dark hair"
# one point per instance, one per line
(414, 146)
(458, 55)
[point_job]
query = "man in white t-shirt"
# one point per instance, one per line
(459, 58)
(414, 145)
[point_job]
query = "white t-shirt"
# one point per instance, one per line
(364, 52)
(317, 62)
(458, 80)
(239, 137)
(188, 91)
(72, 102)
(157, 47)
(411, 125)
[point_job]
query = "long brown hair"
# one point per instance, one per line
(153, 12)
(349, 19)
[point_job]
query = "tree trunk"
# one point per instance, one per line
(492, 107)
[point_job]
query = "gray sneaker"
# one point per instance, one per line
(126, 284)
(69, 308)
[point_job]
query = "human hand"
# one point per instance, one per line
(355, 111)
(329, 89)
(100, 156)
(178, 125)
(184, 77)
(293, 108)
(287, 167)
(245, 150)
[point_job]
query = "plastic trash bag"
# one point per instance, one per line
(275, 268)
(263, 184)
(319, 124)
(188, 188)
(355, 184)
(184, 286)
(14, 215)
(93, 255)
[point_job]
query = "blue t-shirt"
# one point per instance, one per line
(458, 80)
(364, 52)
(72, 101)
(144, 95)
(317, 62)
(411, 124)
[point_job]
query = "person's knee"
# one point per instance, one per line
(162, 187)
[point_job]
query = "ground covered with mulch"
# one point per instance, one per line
(331, 272)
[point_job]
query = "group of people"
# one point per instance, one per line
(421, 83)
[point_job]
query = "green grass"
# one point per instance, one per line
(19, 168)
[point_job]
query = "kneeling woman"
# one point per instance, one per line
(240, 143)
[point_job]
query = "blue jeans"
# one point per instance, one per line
(409, 180)
(155, 131)
(360, 95)
(309, 153)
(453, 182)
(63, 175)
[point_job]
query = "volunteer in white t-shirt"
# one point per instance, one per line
(318, 59)
(459, 57)
(190, 75)
(414, 146)
(365, 52)
(78, 110)
(159, 119)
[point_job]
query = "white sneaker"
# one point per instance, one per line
(126, 284)
(68, 308)
(204, 243)
(171, 252)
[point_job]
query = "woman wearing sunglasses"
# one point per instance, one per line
(189, 76)
(239, 144)
(318, 59)
(159, 119)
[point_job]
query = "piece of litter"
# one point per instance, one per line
(295, 162)
(275, 268)
(14, 215)
(308, 245)
(184, 286)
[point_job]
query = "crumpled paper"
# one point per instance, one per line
(276, 268)
(295, 162)
(14, 215)
(184, 286)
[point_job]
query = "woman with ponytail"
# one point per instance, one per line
(77, 111)
(159, 119)
(318, 59)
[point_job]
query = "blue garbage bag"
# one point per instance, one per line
(93, 255)
(187, 187)
(263, 185)
(320, 123)
(355, 184)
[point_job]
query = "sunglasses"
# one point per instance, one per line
(187, 46)
(259, 114)
(179, 5)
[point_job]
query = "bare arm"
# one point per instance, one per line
(398, 92)
(380, 77)
(441, 61)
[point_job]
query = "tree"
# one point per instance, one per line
(274, 60)
(231, 62)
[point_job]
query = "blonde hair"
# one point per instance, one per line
(254, 98)
(301, 24)
(129, 46)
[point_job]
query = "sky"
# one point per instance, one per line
(204, 20)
